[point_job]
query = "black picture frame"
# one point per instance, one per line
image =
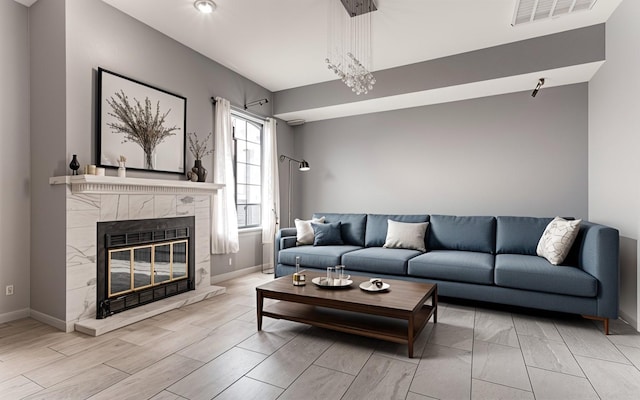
(168, 154)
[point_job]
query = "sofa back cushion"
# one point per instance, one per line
(352, 226)
(468, 233)
(519, 235)
(376, 233)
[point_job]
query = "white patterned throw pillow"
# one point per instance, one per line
(405, 235)
(304, 234)
(557, 239)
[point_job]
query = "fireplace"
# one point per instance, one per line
(142, 261)
(92, 199)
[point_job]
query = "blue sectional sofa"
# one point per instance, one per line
(483, 258)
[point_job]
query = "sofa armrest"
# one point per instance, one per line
(285, 238)
(287, 241)
(599, 256)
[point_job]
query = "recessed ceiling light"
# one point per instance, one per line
(204, 6)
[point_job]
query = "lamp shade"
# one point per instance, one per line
(304, 166)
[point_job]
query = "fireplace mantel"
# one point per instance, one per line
(91, 184)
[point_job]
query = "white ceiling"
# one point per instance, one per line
(281, 44)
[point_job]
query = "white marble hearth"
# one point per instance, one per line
(92, 199)
(97, 327)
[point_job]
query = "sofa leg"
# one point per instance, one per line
(604, 320)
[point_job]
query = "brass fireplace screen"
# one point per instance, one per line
(141, 261)
(138, 267)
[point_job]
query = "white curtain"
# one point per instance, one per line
(270, 191)
(224, 220)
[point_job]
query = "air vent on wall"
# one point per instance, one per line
(536, 10)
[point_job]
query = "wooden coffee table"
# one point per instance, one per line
(397, 315)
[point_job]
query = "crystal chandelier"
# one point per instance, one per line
(349, 43)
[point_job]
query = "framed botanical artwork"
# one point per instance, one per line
(140, 123)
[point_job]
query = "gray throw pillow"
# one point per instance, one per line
(327, 234)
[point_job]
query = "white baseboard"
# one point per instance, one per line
(215, 279)
(14, 315)
(628, 319)
(55, 322)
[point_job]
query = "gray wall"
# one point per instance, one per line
(101, 36)
(70, 39)
(503, 155)
(14, 152)
(614, 140)
(48, 158)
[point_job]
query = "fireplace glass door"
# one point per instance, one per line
(134, 268)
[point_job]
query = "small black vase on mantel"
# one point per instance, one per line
(74, 165)
(200, 171)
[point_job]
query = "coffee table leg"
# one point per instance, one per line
(410, 337)
(435, 305)
(260, 302)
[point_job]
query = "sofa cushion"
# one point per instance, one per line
(379, 260)
(406, 235)
(327, 234)
(519, 235)
(447, 232)
(314, 257)
(536, 273)
(454, 265)
(557, 239)
(377, 225)
(352, 228)
(304, 231)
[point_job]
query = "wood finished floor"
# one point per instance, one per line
(212, 350)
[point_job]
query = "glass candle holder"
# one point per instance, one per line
(331, 275)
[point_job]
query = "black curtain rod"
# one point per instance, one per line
(242, 110)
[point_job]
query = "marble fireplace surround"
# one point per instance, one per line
(91, 199)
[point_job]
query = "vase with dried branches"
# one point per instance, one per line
(199, 150)
(140, 124)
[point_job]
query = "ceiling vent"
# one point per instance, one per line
(536, 10)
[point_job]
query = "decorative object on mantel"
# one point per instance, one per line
(122, 166)
(200, 171)
(199, 150)
(349, 43)
(74, 165)
(144, 122)
(192, 176)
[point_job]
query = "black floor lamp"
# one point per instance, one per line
(302, 166)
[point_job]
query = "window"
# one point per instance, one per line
(247, 134)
